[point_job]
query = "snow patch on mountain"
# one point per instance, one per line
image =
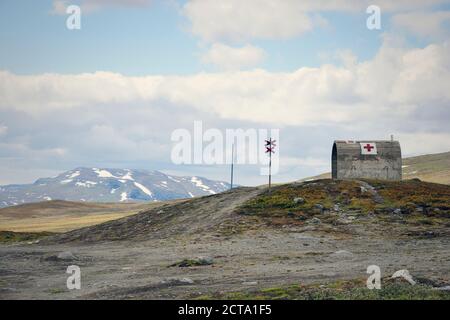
(128, 176)
(173, 179)
(144, 189)
(200, 184)
(86, 184)
(74, 175)
(103, 173)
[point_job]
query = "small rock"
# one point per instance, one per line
(342, 254)
(66, 255)
(363, 189)
(199, 261)
(336, 207)
(405, 275)
(250, 283)
(187, 280)
(429, 234)
(299, 200)
(205, 260)
(344, 219)
(315, 220)
(397, 211)
(318, 208)
(177, 281)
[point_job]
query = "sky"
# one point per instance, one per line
(111, 93)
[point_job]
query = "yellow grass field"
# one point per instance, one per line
(62, 216)
(53, 224)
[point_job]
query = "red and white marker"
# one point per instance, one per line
(368, 148)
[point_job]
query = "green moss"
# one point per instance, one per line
(56, 291)
(185, 263)
(10, 236)
(279, 207)
(340, 290)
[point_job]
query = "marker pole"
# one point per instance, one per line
(232, 166)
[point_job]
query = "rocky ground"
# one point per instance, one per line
(317, 237)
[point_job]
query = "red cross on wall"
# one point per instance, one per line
(368, 147)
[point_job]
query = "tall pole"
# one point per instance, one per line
(232, 166)
(270, 169)
(270, 148)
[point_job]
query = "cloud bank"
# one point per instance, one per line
(396, 84)
(236, 20)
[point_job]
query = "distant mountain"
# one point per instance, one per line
(110, 185)
(430, 168)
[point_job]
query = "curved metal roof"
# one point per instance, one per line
(385, 148)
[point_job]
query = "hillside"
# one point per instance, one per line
(110, 185)
(333, 203)
(430, 168)
(310, 240)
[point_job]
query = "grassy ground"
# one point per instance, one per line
(58, 224)
(433, 168)
(10, 237)
(340, 290)
(62, 216)
(415, 200)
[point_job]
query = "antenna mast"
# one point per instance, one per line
(232, 165)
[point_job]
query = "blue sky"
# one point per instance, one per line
(111, 93)
(153, 40)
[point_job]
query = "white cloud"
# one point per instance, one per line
(424, 24)
(229, 58)
(238, 20)
(241, 20)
